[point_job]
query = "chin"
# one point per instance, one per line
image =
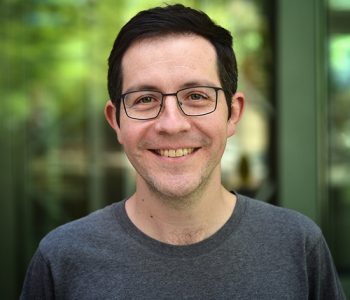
(178, 190)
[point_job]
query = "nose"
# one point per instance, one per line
(171, 119)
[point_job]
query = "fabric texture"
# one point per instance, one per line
(262, 252)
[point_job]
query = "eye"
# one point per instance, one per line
(145, 100)
(197, 96)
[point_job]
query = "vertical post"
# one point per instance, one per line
(95, 113)
(7, 219)
(301, 102)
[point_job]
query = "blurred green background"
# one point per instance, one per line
(59, 160)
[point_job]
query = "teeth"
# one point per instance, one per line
(175, 152)
(179, 152)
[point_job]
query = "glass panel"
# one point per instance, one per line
(339, 141)
(339, 4)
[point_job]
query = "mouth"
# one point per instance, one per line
(175, 152)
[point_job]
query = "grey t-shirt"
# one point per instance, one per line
(262, 252)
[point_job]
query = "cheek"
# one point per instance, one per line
(131, 135)
(123, 131)
(125, 138)
(217, 132)
(219, 125)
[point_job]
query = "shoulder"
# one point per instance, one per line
(95, 227)
(280, 222)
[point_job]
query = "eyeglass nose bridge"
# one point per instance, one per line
(179, 103)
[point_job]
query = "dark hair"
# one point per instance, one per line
(172, 19)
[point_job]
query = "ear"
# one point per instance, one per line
(110, 115)
(237, 107)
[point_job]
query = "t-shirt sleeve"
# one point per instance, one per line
(322, 275)
(38, 283)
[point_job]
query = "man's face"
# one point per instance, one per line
(168, 64)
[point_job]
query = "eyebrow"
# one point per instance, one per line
(143, 87)
(149, 87)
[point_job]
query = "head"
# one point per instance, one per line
(170, 20)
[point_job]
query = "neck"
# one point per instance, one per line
(181, 220)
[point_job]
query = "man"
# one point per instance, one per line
(172, 81)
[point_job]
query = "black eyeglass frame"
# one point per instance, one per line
(122, 97)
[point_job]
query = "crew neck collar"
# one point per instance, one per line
(184, 251)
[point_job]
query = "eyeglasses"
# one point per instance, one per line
(193, 101)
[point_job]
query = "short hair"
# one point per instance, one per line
(167, 20)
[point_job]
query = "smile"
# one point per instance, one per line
(175, 152)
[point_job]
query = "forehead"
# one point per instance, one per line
(170, 61)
